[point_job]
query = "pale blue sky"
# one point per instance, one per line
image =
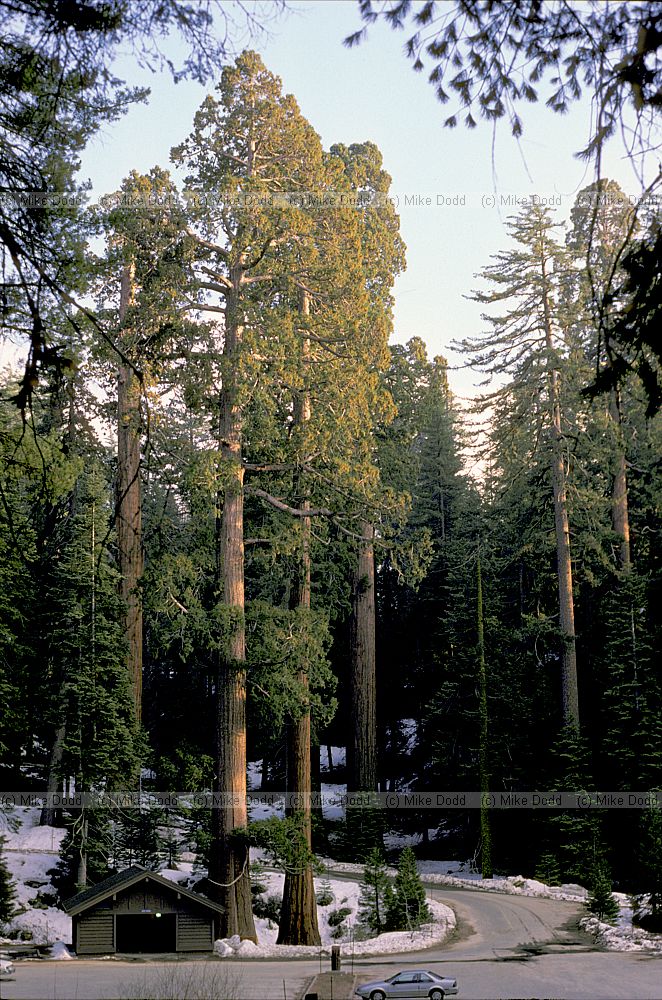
(371, 92)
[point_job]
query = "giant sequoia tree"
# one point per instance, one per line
(249, 151)
(383, 259)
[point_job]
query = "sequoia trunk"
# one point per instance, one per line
(129, 508)
(362, 756)
(228, 868)
(298, 918)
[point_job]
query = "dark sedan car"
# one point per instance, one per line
(412, 983)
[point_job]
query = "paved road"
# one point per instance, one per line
(494, 925)
(506, 947)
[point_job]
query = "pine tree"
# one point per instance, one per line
(148, 248)
(603, 222)
(139, 840)
(483, 766)
(575, 834)
(85, 854)
(524, 344)
(372, 897)
(407, 908)
(547, 869)
(7, 888)
(325, 895)
(85, 643)
(601, 900)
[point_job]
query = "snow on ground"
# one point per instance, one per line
(265, 810)
(409, 730)
(338, 757)
(183, 874)
(30, 851)
(623, 935)
(30, 836)
(396, 842)
(60, 953)
(333, 797)
(459, 873)
(352, 937)
(254, 774)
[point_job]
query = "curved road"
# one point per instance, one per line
(526, 947)
(495, 925)
(504, 947)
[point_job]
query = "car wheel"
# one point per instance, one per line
(436, 995)
(378, 995)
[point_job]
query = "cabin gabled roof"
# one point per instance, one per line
(95, 894)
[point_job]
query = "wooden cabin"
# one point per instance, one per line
(138, 910)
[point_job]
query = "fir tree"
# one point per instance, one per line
(407, 908)
(547, 870)
(7, 888)
(372, 902)
(524, 344)
(601, 900)
(140, 842)
(84, 854)
(325, 895)
(576, 834)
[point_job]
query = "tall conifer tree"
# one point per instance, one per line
(524, 345)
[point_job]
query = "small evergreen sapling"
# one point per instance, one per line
(372, 898)
(325, 895)
(140, 841)
(601, 900)
(406, 906)
(548, 870)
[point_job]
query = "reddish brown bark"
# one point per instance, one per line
(228, 868)
(298, 919)
(129, 506)
(362, 755)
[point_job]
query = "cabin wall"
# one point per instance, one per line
(95, 930)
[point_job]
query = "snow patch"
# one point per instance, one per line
(338, 758)
(254, 774)
(179, 875)
(346, 894)
(43, 926)
(222, 949)
(60, 953)
(622, 935)
(30, 852)
(439, 873)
